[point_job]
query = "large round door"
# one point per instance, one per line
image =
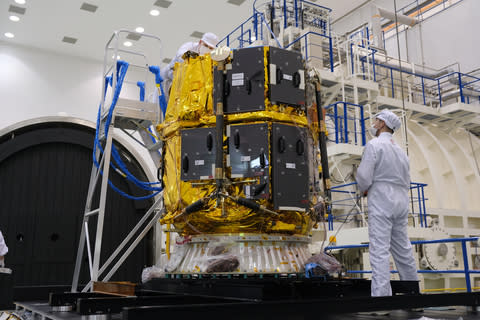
(44, 177)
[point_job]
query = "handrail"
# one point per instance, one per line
(425, 90)
(437, 83)
(260, 16)
(227, 37)
(416, 202)
(295, 3)
(464, 81)
(254, 19)
(304, 36)
(342, 126)
(465, 271)
(422, 211)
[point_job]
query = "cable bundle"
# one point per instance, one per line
(119, 165)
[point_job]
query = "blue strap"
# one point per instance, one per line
(309, 267)
(108, 81)
(122, 67)
(141, 85)
(159, 80)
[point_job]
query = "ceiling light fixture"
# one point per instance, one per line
(139, 29)
(14, 18)
(20, 1)
(127, 44)
(154, 12)
(9, 35)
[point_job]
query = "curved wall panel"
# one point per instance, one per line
(446, 162)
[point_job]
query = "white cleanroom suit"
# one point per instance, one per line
(3, 249)
(384, 174)
(205, 45)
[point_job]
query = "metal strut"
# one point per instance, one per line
(322, 141)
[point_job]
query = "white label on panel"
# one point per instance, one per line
(291, 209)
(199, 162)
(290, 165)
(273, 74)
(287, 77)
(236, 83)
(302, 79)
(237, 76)
(245, 158)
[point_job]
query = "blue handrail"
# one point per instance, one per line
(430, 90)
(244, 29)
(306, 55)
(258, 18)
(417, 203)
(454, 79)
(341, 120)
(465, 271)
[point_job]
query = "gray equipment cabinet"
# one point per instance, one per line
(198, 154)
(249, 157)
(287, 77)
(245, 83)
(244, 87)
(290, 168)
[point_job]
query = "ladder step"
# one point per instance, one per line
(127, 110)
(156, 146)
(91, 213)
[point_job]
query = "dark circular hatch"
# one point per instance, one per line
(44, 177)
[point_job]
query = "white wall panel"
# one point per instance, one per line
(448, 37)
(37, 83)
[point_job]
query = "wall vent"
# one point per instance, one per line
(134, 36)
(69, 40)
(197, 34)
(162, 3)
(88, 7)
(236, 2)
(16, 9)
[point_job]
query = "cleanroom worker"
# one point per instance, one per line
(205, 45)
(384, 176)
(3, 250)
